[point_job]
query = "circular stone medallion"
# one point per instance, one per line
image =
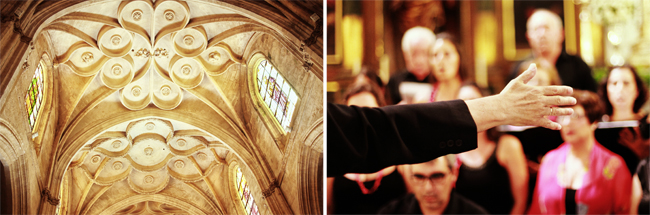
(165, 90)
(136, 90)
(87, 57)
(179, 164)
(117, 70)
(116, 144)
(148, 151)
(136, 15)
(181, 142)
(148, 179)
(117, 165)
(202, 156)
(169, 15)
(188, 40)
(95, 159)
(116, 39)
(150, 126)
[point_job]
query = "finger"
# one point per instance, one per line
(557, 90)
(546, 123)
(557, 111)
(528, 74)
(351, 176)
(558, 101)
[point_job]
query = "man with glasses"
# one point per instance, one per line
(432, 183)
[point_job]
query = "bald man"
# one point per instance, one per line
(416, 43)
(545, 35)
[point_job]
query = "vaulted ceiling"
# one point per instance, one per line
(148, 105)
(145, 158)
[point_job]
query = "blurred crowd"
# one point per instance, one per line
(596, 164)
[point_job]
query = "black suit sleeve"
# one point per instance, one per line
(364, 140)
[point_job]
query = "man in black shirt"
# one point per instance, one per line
(432, 183)
(545, 36)
(415, 45)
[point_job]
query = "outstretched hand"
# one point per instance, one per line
(527, 105)
(522, 104)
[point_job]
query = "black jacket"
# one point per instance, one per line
(410, 205)
(364, 140)
(573, 71)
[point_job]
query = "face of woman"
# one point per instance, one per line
(576, 128)
(445, 60)
(621, 88)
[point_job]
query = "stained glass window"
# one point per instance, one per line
(34, 96)
(276, 92)
(245, 195)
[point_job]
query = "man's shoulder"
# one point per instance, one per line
(400, 74)
(458, 204)
(406, 204)
(567, 58)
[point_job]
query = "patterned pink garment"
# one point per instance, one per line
(606, 188)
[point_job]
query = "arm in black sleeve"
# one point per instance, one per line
(364, 140)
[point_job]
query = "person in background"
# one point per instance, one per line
(546, 73)
(494, 175)
(433, 183)
(356, 193)
(581, 176)
(415, 46)
(447, 69)
(625, 94)
(545, 35)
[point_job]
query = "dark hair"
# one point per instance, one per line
(591, 102)
(372, 75)
(462, 70)
(363, 84)
(640, 89)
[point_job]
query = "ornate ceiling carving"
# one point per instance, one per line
(150, 52)
(125, 74)
(151, 208)
(146, 154)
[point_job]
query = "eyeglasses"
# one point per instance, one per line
(435, 178)
(565, 120)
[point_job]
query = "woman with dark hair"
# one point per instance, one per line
(581, 176)
(447, 68)
(624, 94)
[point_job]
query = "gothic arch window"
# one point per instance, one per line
(278, 95)
(244, 194)
(34, 96)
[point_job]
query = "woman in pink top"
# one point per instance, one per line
(581, 176)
